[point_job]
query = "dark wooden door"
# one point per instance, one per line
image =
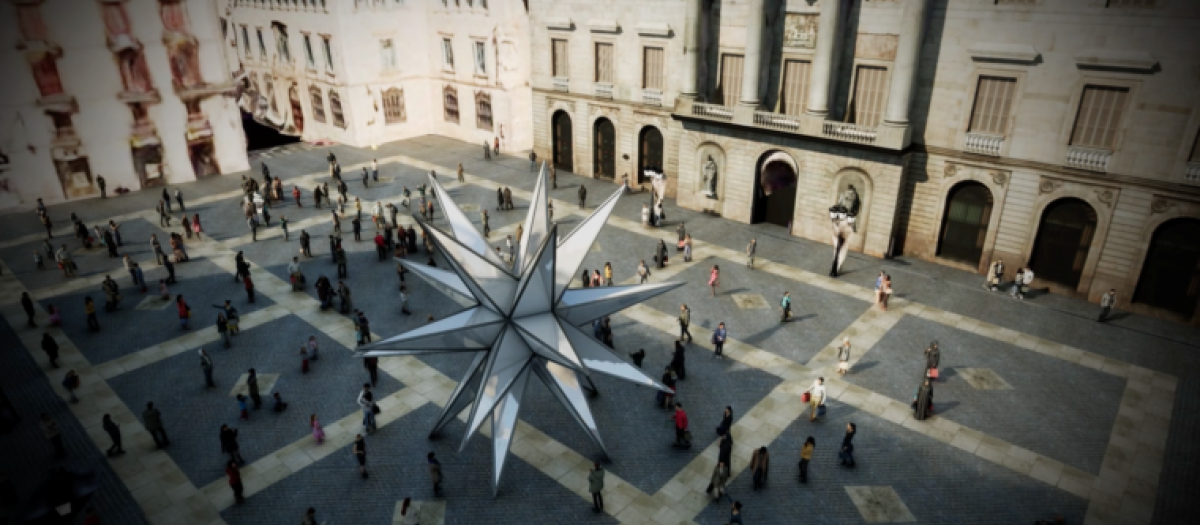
(965, 222)
(1171, 273)
(604, 149)
(562, 142)
(1063, 240)
(650, 153)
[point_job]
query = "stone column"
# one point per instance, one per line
(904, 69)
(691, 50)
(753, 57)
(822, 65)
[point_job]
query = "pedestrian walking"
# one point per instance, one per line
(660, 254)
(885, 292)
(718, 341)
(310, 517)
(152, 420)
(1106, 303)
(38, 260)
(89, 308)
(114, 433)
(760, 467)
(179, 199)
(608, 274)
(685, 316)
(496, 146)
(806, 453)
(678, 361)
(994, 275)
(318, 431)
(53, 434)
(596, 487)
(750, 250)
(716, 483)
(223, 329)
(283, 222)
(597, 279)
(725, 449)
(305, 244)
(140, 276)
(184, 312)
(249, 284)
(27, 305)
(786, 305)
(582, 196)
(50, 346)
(435, 473)
(508, 203)
(843, 356)
(303, 359)
(714, 280)
(235, 481)
(922, 403)
(206, 365)
(252, 386)
(372, 366)
(682, 436)
(487, 151)
(735, 514)
(279, 405)
(229, 444)
(366, 400)
(815, 397)
(70, 383)
(933, 356)
(460, 173)
(65, 262)
(846, 455)
(553, 178)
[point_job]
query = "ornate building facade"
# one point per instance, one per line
(136, 91)
(364, 72)
(970, 130)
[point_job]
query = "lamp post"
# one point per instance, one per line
(842, 221)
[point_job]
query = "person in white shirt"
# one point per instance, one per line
(816, 398)
(294, 272)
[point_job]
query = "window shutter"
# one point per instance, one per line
(652, 74)
(1099, 117)
(604, 56)
(731, 79)
(993, 105)
(795, 86)
(559, 60)
(870, 95)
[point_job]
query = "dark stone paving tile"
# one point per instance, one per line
(636, 432)
(28, 457)
(193, 415)
(1061, 410)
(128, 330)
(938, 483)
(397, 466)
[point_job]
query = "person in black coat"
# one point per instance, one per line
(113, 432)
(846, 455)
(726, 421)
(725, 454)
(677, 361)
(50, 346)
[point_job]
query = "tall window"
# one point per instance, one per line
(993, 105)
(328, 54)
(1099, 116)
(450, 103)
(870, 96)
(308, 52)
(653, 64)
(246, 40)
(262, 45)
(447, 55)
(731, 79)
(387, 54)
(281, 42)
(483, 110)
(558, 51)
(393, 106)
(318, 103)
(604, 62)
(335, 107)
(795, 86)
(480, 58)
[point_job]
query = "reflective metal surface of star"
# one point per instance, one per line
(524, 320)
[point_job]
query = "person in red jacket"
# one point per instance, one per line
(296, 195)
(185, 313)
(249, 287)
(681, 426)
(235, 481)
(380, 246)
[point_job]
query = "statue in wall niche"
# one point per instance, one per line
(849, 200)
(710, 178)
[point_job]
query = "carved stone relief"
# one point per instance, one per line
(1105, 196)
(800, 31)
(951, 169)
(1048, 186)
(1000, 178)
(1160, 205)
(876, 46)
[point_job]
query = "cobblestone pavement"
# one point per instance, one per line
(1040, 410)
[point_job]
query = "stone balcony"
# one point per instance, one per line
(984, 144)
(883, 136)
(1091, 159)
(562, 84)
(652, 97)
(1192, 175)
(603, 90)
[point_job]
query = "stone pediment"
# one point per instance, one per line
(997, 52)
(1119, 59)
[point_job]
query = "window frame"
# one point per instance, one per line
(262, 45)
(447, 53)
(395, 113)
(327, 48)
(479, 58)
(720, 76)
(566, 58)
(662, 72)
(1122, 119)
(310, 59)
(783, 70)
(246, 42)
(316, 101)
(387, 54)
(611, 70)
(851, 113)
(340, 113)
(1010, 118)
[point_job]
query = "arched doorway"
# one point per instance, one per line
(562, 141)
(604, 149)
(965, 222)
(1063, 240)
(775, 193)
(650, 152)
(1171, 273)
(297, 110)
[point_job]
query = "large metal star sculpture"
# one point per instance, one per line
(523, 323)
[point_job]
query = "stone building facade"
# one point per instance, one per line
(134, 91)
(364, 72)
(972, 130)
